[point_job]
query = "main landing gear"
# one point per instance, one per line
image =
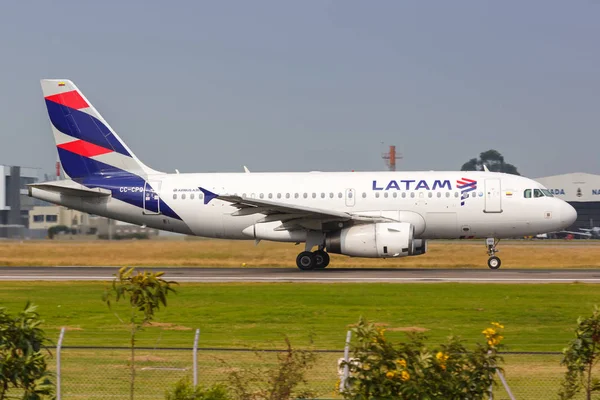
(491, 244)
(308, 260)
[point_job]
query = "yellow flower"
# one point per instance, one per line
(389, 375)
(441, 357)
(498, 325)
(405, 376)
(489, 332)
(401, 362)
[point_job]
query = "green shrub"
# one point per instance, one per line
(22, 356)
(184, 390)
(580, 358)
(380, 369)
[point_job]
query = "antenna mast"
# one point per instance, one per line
(391, 157)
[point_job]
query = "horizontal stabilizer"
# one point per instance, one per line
(70, 188)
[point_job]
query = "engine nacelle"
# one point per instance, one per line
(380, 240)
(420, 246)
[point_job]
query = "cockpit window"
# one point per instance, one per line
(537, 193)
(527, 193)
(547, 193)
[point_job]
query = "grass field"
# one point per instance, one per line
(223, 253)
(537, 317)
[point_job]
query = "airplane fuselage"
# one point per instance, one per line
(436, 203)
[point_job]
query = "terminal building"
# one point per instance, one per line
(582, 191)
(15, 204)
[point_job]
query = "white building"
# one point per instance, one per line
(582, 191)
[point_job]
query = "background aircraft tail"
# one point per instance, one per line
(86, 144)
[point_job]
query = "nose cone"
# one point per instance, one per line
(568, 215)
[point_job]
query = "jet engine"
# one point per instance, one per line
(379, 240)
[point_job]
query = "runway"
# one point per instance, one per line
(197, 274)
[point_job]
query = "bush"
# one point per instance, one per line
(184, 390)
(383, 370)
(56, 229)
(22, 362)
(580, 358)
(279, 382)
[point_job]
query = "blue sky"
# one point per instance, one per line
(312, 85)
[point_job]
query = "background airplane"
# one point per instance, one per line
(359, 214)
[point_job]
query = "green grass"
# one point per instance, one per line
(537, 317)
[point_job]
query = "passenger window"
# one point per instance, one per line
(447, 194)
(527, 193)
(350, 195)
(287, 195)
(456, 194)
(430, 195)
(421, 195)
(377, 195)
(412, 195)
(306, 195)
(270, 195)
(364, 195)
(439, 194)
(201, 196)
(296, 195)
(473, 194)
(314, 195)
(175, 196)
(262, 196)
(385, 195)
(340, 195)
(395, 194)
(192, 196)
(537, 193)
(278, 195)
(183, 196)
(322, 195)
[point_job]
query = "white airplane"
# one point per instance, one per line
(359, 214)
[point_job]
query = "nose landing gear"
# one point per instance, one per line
(491, 244)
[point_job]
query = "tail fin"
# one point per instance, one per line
(86, 144)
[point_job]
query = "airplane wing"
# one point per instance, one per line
(576, 233)
(295, 215)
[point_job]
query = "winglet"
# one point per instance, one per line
(246, 170)
(208, 195)
(485, 168)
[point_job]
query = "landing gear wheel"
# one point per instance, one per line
(321, 259)
(494, 262)
(306, 261)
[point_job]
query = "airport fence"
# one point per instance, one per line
(84, 372)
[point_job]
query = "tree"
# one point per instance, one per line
(22, 361)
(580, 358)
(493, 160)
(145, 292)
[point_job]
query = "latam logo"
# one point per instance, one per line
(466, 186)
(412, 184)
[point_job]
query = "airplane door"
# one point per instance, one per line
(152, 198)
(350, 197)
(493, 198)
